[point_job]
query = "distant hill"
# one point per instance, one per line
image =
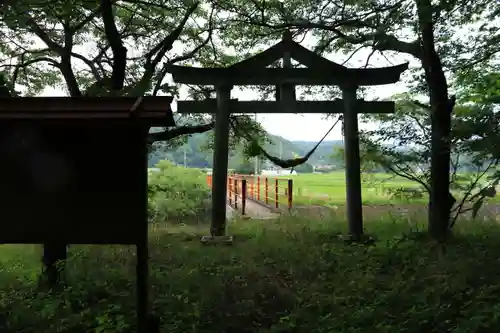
(196, 155)
(322, 155)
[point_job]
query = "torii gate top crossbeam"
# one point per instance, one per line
(319, 71)
(278, 76)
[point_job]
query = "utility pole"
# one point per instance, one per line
(185, 157)
(256, 158)
(281, 156)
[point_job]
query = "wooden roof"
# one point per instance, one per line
(320, 71)
(154, 110)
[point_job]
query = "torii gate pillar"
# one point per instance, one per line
(354, 205)
(220, 161)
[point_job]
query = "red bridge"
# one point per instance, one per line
(271, 193)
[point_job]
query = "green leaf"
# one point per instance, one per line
(489, 192)
(476, 207)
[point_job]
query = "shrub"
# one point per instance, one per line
(245, 168)
(176, 193)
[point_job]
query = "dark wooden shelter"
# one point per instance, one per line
(94, 152)
(74, 171)
(319, 71)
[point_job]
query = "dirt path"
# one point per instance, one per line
(370, 212)
(256, 211)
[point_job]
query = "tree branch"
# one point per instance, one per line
(469, 197)
(159, 51)
(17, 67)
(178, 131)
(193, 52)
(401, 172)
(379, 40)
(117, 47)
(420, 125)
(40, 33)
(64, 52)
(90, 64)
(86, 20)
(65, 66)
(422, 105)
(167, 43)
(183, 57)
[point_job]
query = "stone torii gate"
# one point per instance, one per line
(319, 71)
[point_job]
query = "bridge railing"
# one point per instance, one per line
(236, 192)
(274, 192)
(271, 191)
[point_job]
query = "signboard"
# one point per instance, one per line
(73, 181)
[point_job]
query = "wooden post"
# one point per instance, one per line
(290, 195)
(276, 193)
(258, 188)
(243, 196)
(251, 186)
(352, 163)
(266, 190)
(220, 162)
(236, 184)
(230, 190)
(142, 250)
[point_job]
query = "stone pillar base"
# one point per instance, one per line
(363, 239)
(216, 240)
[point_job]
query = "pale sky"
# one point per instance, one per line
(310, 127)
(307, 127)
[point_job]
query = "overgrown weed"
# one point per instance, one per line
(280, 276)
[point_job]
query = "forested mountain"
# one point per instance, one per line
(195, 154)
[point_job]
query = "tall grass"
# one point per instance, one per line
(290, 275)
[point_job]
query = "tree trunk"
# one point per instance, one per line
(441, 108)
(439, 203)
(53, 259)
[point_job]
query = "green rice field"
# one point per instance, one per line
(330, 189)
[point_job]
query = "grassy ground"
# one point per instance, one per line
(287, 276)
(330, 187)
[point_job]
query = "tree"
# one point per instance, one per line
(304, 168)
(245, 168)
(104, 29)
(401, 142)
(427, 31)
(108, 48)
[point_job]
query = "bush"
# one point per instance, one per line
(245, 168)
(176, 193)
(305, 168)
